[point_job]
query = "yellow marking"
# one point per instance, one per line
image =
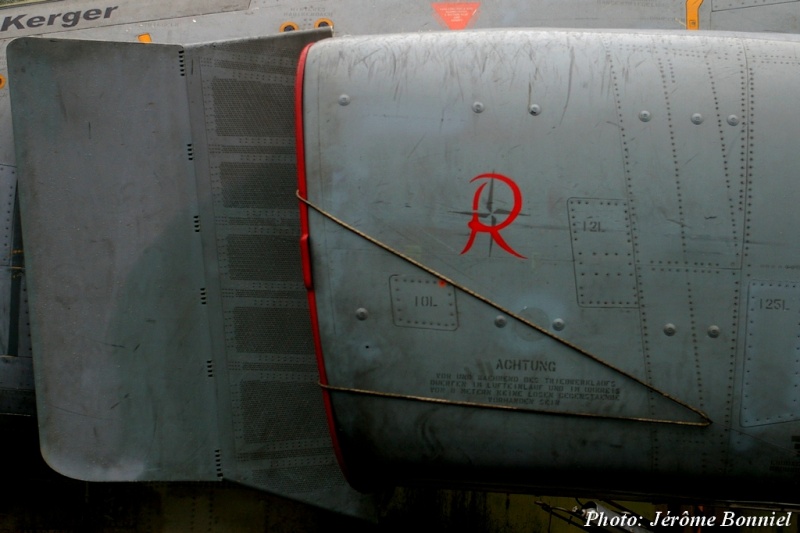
(144, 38)
(693, 14)
(289, 26)
(2, 81)
(323, 23)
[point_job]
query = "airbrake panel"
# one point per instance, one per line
(170, 323)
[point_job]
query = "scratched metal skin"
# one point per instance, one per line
(655, 180)
(168, 314)
(195, 22)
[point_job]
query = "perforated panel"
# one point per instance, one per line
(261, 185)
(282, 329)
(279, 438)
(245, 254)
(239, 109)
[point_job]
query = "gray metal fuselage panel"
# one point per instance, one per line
(197, 21)
(650, 227)
(169, 315)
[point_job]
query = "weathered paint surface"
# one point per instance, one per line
(199, 21)
(620, 199)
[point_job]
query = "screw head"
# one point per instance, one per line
(535, 110)
(697, 118)
(644, 115)
(713, 332)
(733, 120)
(558, 324)
(669, 330)
(344, 99)
(361, 313)
(478, 107)
(500, 321)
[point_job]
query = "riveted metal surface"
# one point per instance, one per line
(197, 21)
(772, 307)
(602, 252)
(508, 208)
(420, 302)
(192, 324)
(275, 435)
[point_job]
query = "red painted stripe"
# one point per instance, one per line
(301, 169)
(305, 253)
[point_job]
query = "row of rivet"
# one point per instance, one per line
(558, 324)
(536, 109)
(500, 321)
(671, 329)
(696, 118)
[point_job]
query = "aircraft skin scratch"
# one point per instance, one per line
(618, 222)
